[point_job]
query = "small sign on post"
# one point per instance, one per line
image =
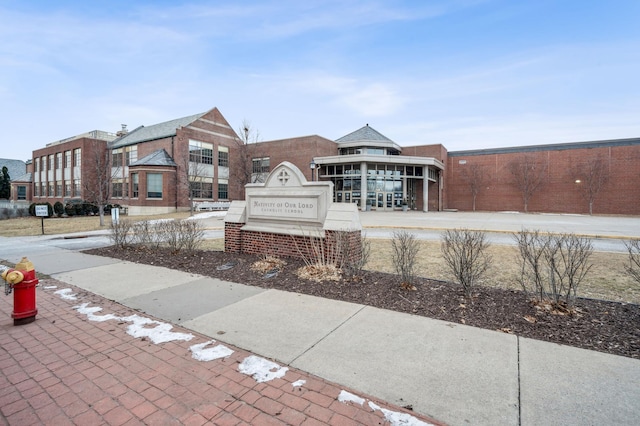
(115, 216)
(42, 212)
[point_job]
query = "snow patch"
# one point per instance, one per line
(398, 419)
(201, 352)
(161, 333)
(50, 287)
(157, 221)
(298, 383)
(345, 397)
(90, 313)
(207, 215)
(66, 294)
(260, 369)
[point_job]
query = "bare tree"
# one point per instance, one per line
(97, 177)
(475, 177)
(529, 175)
(590, 178)
(247, 149)
(195, 180)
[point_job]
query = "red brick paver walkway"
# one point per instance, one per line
(64, 369)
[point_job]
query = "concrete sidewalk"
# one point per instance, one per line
(451, 372)
(90, 361)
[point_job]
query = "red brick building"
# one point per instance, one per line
(62, 169)
(168, 166)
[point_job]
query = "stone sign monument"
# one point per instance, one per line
(278, 215)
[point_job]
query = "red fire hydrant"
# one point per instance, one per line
(22, 280)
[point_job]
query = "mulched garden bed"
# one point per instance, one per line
(598, 325)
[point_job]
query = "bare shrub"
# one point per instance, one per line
(569, 265)
(465, 253)
(121, 235)
(322, 261)
(146, 233)
(349, 258)
(169, 232)
(533, 274)
(315, 251)
(190, 235)
(633, 268)
(556, 264)
(405, 251)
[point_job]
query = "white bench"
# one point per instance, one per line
(213, 205)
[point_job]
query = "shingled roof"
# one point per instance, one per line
(156, 158)
(156, 131)
(364, 134)
(16, 168)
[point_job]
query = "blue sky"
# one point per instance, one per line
(469, 74)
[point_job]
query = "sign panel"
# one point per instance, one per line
(115, 215)
(281, 208)
(42, 211)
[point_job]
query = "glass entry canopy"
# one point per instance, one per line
(385, 187)
(371, 172)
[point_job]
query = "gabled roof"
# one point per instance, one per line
(156, 131)
(156, 158)
(26, 177)
(15, 167)
(365, 134)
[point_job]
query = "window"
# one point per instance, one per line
(116, 157)
(36, 164)
(67, 188)
(223, 190)
(43, 189)
(261, 165)
(22, 192)
(36, 190)
(130, 155)
(154, 185)
(59, 189)
(202, 188)
(134, 185)
(77, 157)
(67, 159)
(43, 161)
(51, 164)
(77, 188)
(223, 156)
(52, 190)
(116, 188)
(200, 152)
(58, 161)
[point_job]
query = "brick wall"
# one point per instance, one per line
(263, 243)
(561, 192)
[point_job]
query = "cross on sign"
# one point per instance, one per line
(283, 177)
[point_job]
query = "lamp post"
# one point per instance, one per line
(312, 166)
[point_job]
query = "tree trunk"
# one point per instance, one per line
(101, 213)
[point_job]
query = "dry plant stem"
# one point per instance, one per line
(177, 235)
(120, 234)
(633, 268)
(465, 252)
(554, 265)
(405, 252)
